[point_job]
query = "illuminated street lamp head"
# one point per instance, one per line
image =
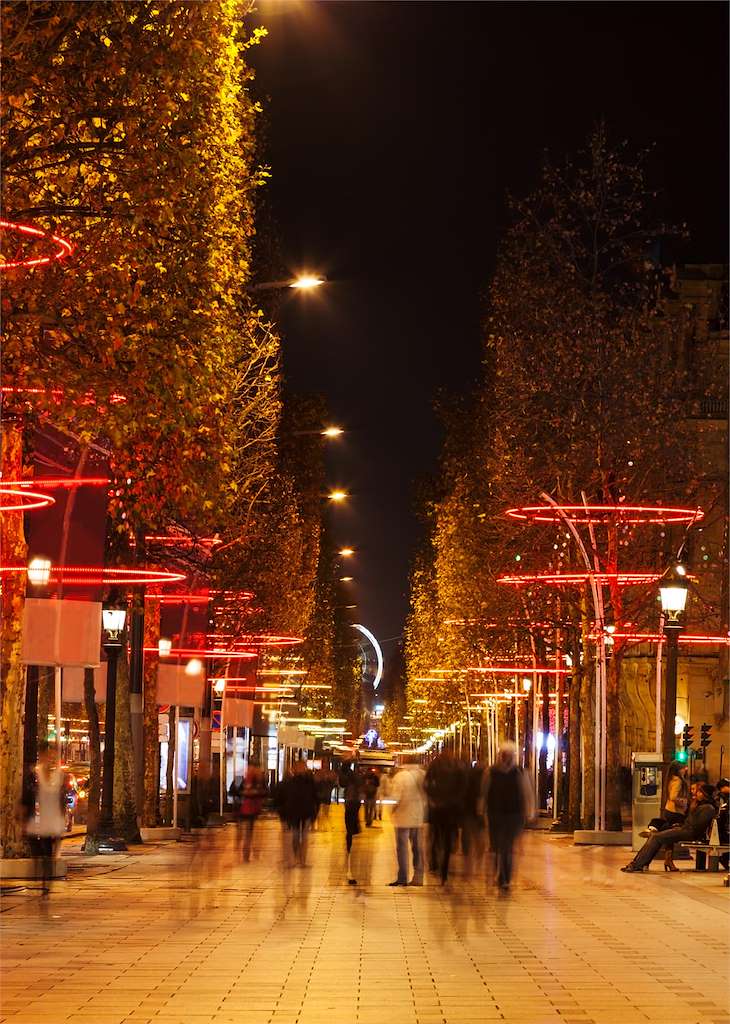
(164, 646)
(346, 579)
(338, 496)
(194, 667)
(346, 552)
(306, 282)
(526, 684)
(39, 571)
(332, 431)
(219, 685)
(673, 592)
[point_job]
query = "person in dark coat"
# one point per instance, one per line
(508, 802)
(300, 809)
(370, 792)
(351, 781)
(445, 789)
(694, 829)
(723, 818)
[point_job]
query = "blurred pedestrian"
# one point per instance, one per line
(370, 792)
(44, 803)
(408, 816)
(252, 796)
(702, 811)
(300, 809)
(351, 782)
(473, 825)
(445, 786)
(509, 804)
(324, 780)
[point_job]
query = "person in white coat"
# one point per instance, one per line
(46, 817)
(408, 815)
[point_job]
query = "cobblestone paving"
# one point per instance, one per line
(187, 934)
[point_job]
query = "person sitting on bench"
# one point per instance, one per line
(723, 822)
(694, 828)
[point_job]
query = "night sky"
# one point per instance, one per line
(394, 131)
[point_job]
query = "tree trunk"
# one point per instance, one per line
(125, 810)
(613, 752)
(46, 697)
(574, 765)
(151, 806)
(12, 672)
(587, 722)
(94, 788)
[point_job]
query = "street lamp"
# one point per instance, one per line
(346, 552)
(673, 596)
(39, 571)
(338, 496)
(301, 283)
(113, 620)
(332, 431)
(164, 647)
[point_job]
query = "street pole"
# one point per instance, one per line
(106, 822)
(658, 740)
(671, 631)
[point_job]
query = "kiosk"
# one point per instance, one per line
(646, 793)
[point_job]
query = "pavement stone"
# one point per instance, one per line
(179, 933)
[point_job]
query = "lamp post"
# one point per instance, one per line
(673, 595)
(113, 619)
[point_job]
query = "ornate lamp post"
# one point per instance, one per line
(113, 620)
(673, 595)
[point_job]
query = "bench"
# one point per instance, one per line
(711, 852)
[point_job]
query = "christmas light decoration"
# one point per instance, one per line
(606, 513)
(64, 247)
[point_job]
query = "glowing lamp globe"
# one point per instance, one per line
(39, 571)
(526, 684)
(113, 620)
(164, 646)
(219, 685)
(673, 593)
(194, 667)
(679, 724)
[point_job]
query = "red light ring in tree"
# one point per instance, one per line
(604, 513)
(64, 247)
(574, 579)
(21, 500)
(90, 576)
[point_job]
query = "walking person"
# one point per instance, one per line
(702, 811)
(445, 789)
(351, 782)
(300, 809)
(370, 789)
(44, 804)
(252, 795)
(408, 815)
(472, 828)
(509, 806)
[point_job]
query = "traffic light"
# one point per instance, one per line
(682, 756)
(705, 731)
(688, 736)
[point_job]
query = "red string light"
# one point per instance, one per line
(57, 394)
(60, 481)
(94, 575)
(604, 513)
(572, 579)
(30, 231)
(194, 652)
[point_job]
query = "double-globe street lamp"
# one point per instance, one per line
(673, 596)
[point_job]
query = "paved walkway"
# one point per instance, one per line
(186, 934)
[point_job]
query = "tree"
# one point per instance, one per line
(130, 130)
